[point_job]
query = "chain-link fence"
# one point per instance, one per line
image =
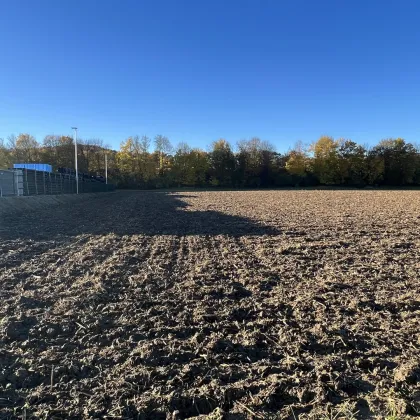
(8, 183)
(31, 182)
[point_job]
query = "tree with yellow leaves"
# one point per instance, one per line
(325, 163)
(297, 162)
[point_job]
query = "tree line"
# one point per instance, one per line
(142, 162)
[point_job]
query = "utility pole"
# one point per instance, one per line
(75, 159)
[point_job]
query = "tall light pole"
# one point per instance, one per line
(75, 159)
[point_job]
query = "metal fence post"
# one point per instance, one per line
(18, 178)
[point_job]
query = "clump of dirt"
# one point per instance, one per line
(216, 305)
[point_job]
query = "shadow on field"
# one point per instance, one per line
(128, 213)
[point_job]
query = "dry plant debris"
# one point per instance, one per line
(218, 305)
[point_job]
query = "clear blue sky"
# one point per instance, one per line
(198, 70)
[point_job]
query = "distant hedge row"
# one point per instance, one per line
(253, 164)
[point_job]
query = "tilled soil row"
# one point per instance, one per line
(274, 304)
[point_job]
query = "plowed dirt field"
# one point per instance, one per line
(235, 305)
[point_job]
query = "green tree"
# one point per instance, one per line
(5, 161)
(181, 164)
(352, 165)
(135, 163)
(58, 151)
(145, 164)
(297, 160)
(190, 166)
(163, 148)
(417, 173)
(92, 156)
(399, 161)
(254, 162)
(198, 166)
(221, 164)
(125, 163)
(374, 168)
(281, 176)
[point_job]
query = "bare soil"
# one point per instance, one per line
(235, 305)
